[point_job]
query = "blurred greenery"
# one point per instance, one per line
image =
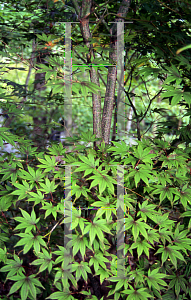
(154, 152)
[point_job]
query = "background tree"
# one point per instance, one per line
(143, 40)
(156, 169)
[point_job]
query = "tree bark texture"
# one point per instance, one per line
(112, 74)
(39, 121)
(96, 99)
(102, 125)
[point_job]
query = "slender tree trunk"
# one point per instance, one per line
(39, 120)
(101, 125)
(114, 122)
(112, 74)
(96, 99)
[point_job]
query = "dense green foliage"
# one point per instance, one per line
(34, 258)
(157, 226)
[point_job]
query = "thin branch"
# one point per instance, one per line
(30, 68)
(150, 104)
(102, 78)
(101, 20)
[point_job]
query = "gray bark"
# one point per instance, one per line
(112, 74)
(101, 125)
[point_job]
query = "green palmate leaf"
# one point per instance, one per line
(37, 198)
(89, 295)
(48, 187)
(143, 172)
(178, 282)
(29, 240)
(15, 287)
(5, 203)
(116, 294)
(147, 211)
(121, 282)
(147, 71)
(104, 181)
(79, 243)
(180, 239)
(154, 279)
(137, 294)
(13, 266)
(163, 220)
(49, 74)
(88, 136)
(5, 135)
(10, 171)
(141, 246)
(43, 68)
(106, 207)
(165, 191)
(92, 87)
(28, 285)
(79, 190)
(176, 94)
(3, 237)
(98, 260)
(64, 274)
(184, 196)
(176, 99)
(137, 275)
(49, 163)
(96, 228)
(144, 154)
(76, 87)
(28, 222)
(165, 234)
(76, 218)
(175, 75)
(65, 295)
(186, 96)
(50, 209)
(171, 252)
(81, 270)
(169, 79)
(3, 255)
(104, 274)
(84, 91)
(88, 168)
(174, 70)
(153, 236)
(186, 214)
(119, 149)
(130, 160)
(89, 164)
(25, 291)
(45, 261)
(58, 88)
(62, 252)
(38, 241)
(137, 227)
(22, 189)
(169, 93)
(31, 175)
(57, 150)
(43, 37)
